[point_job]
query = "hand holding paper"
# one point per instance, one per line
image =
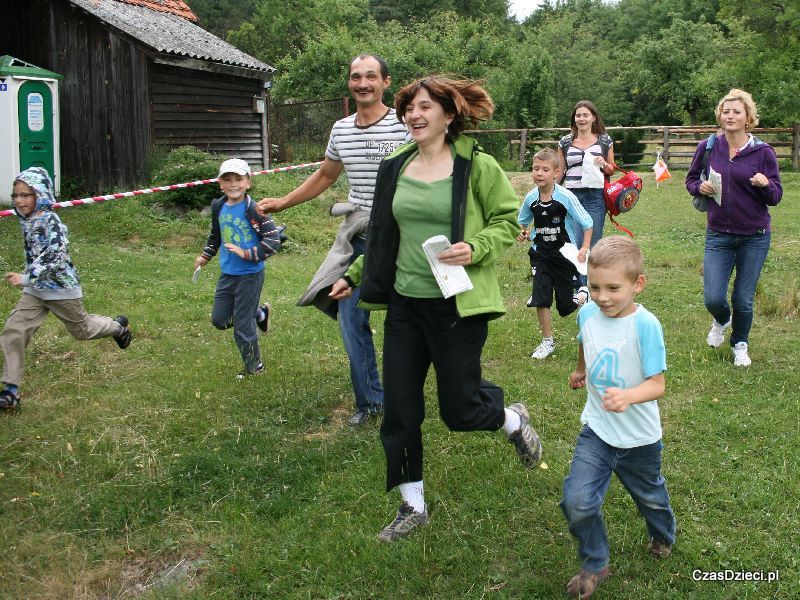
(451, 277)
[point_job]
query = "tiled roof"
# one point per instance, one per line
(167, 33)
(175, 7)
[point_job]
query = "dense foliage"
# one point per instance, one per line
(183, 165)
(640, 61)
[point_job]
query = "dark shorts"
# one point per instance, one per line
(552, 273)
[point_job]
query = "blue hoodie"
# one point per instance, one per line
(49, 273)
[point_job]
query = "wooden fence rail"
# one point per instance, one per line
(676, 143)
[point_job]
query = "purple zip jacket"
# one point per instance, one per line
(744, 206)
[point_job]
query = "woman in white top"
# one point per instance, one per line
(588, 135)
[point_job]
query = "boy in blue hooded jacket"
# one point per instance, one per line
(49, 284)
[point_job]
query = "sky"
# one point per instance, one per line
(522, 8)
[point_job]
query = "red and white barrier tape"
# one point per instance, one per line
(163, 188)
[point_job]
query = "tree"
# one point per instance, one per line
(405, 11)
(280, 27)
(221, 16)
(586, 63)
(680, 70)
(768, 70)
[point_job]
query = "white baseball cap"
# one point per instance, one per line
(234, 165)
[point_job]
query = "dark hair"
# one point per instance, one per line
(381, 62)
(463, 99)
(597, 127)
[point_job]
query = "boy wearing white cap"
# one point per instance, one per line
(244, 239)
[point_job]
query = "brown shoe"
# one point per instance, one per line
(659, 549)
(584, 583)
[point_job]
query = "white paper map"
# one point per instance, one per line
(452, 279)
(715, 179)
(570, 252)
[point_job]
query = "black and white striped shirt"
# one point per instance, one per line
(361, 149)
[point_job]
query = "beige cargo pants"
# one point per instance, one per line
(29, 315)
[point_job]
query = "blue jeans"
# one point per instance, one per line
(595, 204)
(724, 251)
(639, 470)
(357, 338)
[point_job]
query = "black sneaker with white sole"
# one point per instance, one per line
(123, 338)
(9, 400)
(264, 324)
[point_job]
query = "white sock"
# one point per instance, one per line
(512, 423)
(413, 492)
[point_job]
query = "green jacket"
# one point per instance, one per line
(484, 215)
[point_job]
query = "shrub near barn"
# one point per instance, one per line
(183, 165)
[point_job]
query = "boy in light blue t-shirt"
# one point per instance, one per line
(621, 362)
(244, 239)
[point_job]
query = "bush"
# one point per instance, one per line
(183, 165)
(629, 149)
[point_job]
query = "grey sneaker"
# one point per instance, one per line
(717, 334)
(525, 439)
(359, 417)
(406, 521)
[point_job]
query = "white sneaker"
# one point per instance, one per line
(581, 296)
(740, 356)
(717, 334)
(544, 349)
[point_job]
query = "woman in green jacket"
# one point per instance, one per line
(439, 184)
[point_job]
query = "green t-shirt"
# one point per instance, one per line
(421, 210)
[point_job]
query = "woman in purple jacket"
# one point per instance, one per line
(738, 233)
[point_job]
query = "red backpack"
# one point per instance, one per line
(621, 195)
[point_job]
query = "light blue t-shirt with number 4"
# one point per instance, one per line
(621, 352)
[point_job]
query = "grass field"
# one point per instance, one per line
(154, 473)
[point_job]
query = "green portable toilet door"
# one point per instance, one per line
(36, 126)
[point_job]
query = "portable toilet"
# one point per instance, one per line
(29, 122)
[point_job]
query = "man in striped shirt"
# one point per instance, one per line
(356, 146)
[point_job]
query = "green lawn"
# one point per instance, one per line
(154, 473)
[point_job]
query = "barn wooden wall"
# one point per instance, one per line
(116, 102)
(211, 111)
(104, 97)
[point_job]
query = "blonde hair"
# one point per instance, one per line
(746, 99)
(463, 99)
(547, 155)
(620, 252)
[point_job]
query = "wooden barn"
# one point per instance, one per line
(139, 74)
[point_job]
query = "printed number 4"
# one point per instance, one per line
(605, 371)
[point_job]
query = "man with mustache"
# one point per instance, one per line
(357, 145)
